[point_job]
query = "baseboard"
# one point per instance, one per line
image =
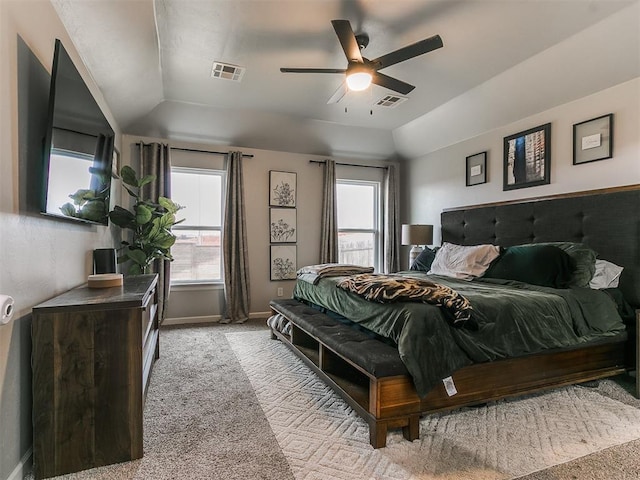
(206, 319)
(23, 468)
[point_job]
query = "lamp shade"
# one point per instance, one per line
(417, 234)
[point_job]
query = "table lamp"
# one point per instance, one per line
(416, 235)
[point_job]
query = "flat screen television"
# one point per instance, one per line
(78, 148)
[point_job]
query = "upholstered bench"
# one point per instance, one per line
(365, 371)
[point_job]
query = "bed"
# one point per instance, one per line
(593, 343)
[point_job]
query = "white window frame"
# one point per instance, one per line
(377, 210)
(186, 226)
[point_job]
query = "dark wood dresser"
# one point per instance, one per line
(93, 352)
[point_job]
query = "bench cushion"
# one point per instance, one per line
(375, 357)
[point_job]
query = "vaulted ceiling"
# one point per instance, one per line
(152, 61)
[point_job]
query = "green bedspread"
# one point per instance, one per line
(514, 319)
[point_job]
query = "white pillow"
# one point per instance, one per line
(607, 275)
(463, 262)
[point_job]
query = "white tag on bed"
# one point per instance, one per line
(449, 386)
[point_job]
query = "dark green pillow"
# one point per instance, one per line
(544, 265)
(423, 261)
(584, 257)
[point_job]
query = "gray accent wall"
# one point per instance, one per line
(39, 257)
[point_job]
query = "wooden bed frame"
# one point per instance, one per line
(392, 402)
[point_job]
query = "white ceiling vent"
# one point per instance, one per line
(227, 71)
(390, 101)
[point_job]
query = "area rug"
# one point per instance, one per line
(323, 438)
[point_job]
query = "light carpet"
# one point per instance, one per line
(323, 438)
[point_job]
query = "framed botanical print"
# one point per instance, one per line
(283, 262)
(282, 189)
(282, 225)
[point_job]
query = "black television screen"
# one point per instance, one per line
(78, 148)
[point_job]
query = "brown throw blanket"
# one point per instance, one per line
(394, 288)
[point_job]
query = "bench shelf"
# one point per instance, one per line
(389, 400)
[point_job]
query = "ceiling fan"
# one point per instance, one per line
(361, 71)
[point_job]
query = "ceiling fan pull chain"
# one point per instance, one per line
(371, 100)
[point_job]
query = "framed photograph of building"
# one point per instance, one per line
(527, 158)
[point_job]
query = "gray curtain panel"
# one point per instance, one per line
(391, 262)
(329, 219)
(155, 159)
(234, 245)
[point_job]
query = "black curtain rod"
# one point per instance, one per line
(350, 164)
(248, 155)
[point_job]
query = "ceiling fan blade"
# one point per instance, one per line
(347, 40)
(391, 83)
(313, 70)
(338, 94)
(410, 51)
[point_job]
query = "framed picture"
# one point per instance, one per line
(477, 169)
(283, 262)
(527, 158)
(282, 189)
(282, 225)
(593, 139)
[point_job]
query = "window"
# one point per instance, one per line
(358, 222)
(197, 252)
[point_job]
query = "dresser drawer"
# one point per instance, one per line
(148, 317)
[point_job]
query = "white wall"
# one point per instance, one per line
(39, 257)
(607, 54)
(205, 303)
(436, 181)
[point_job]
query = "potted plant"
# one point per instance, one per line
(149, 222)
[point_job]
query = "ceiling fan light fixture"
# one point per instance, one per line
(358, 81)
(358, 77)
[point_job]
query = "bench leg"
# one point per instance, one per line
(378, 434)
(412, 431)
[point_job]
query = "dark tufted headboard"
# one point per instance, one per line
(607, 220)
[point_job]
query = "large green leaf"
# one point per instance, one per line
(122, 218)
(68, 209)
(169, 204)
(94, 210)
(135, 269)
(144, 214)
(165, 241)
(146, 179)
(155, 229)
(129, 176)
(82, 195)
(137, 256)
(167, 220)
